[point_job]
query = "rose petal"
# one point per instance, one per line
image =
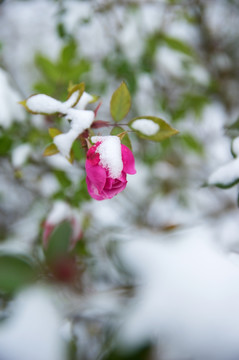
(96, 175)
(92, 156)
(114, 191)
(108, 184)
(93, 191)
(128, 160)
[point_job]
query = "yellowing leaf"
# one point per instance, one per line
(54, 132)
(71, 157)
(152, 128)
(120, 103)
(50, 150)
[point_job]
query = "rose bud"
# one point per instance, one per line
(107, 164)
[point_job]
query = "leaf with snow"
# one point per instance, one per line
(226, 176)
(75, 93)
(42, 104)
(152, 128)
(235, 147)
(80, 121)
(47, 105)
(120, 102)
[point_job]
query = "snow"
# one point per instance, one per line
(59, 212)
(188, 300)
(226, 174)
(64, 142)
(72, 99)
(48, 185)
(235, 146)
(32, 331)
(110, 154)
(42, 103)
(20, 155)
(10, 109)
(80, 121)
(146, 126)
(84, 101)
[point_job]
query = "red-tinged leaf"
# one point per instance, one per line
(99, 124)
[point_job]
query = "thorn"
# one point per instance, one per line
(97, 108)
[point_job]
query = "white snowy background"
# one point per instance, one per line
(187, 294)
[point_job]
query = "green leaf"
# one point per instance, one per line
(79, 152)
(81, 194)
(54, 132)
(59, 241)
(126, 140)
(68, 52)
(62, 178)
(50, 150)
(120, 102)
(178, 45)
(193, 143)
(47, 67)
(163, 131)
(15, 272)
(5, 144)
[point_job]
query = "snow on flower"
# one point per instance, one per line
(60, 212)
(107, 164)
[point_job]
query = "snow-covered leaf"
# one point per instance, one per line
(226, 176)
(120, 102)
(42, 104)
(152, 128)
(74, 94)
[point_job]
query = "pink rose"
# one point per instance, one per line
(101, 185)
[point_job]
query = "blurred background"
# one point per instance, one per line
(153, 273)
